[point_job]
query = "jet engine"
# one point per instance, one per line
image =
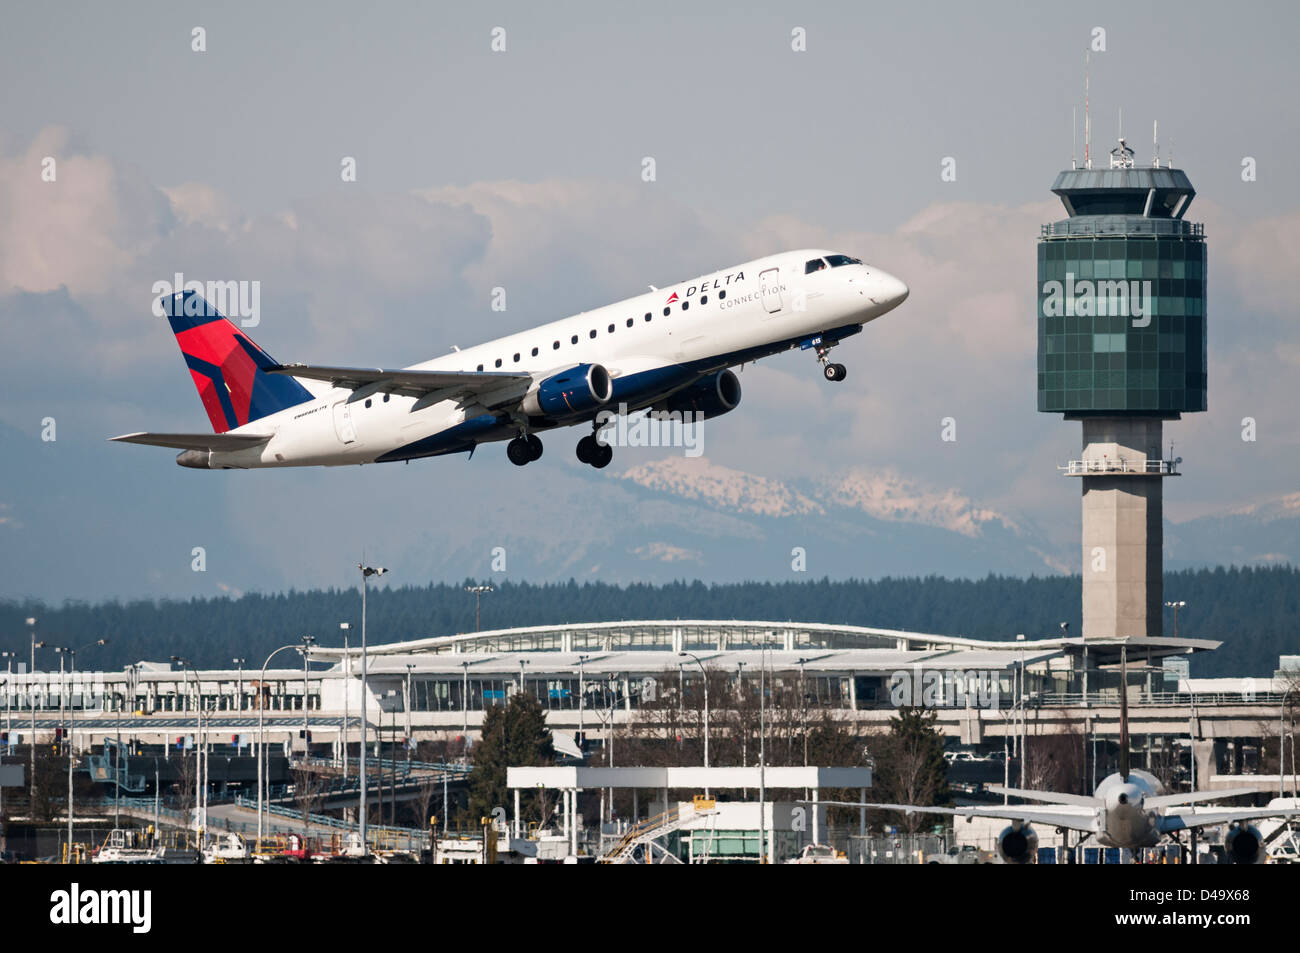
(578, 390)
(710, 396)
(1243, 845)
(1018, 846)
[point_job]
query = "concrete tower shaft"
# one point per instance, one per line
(1123, 526)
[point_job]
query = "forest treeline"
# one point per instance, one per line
(1253, 611)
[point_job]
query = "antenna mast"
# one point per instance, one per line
(1155, 142)
(1087, 119)
(1074, 136)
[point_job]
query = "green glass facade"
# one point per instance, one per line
(1121, 318)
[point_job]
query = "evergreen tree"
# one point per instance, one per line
(909, 766)
(513, 735)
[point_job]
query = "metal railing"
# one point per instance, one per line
(1121, 226)
(1120, 465)
(1155, 699)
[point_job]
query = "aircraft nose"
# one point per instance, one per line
(894, 290)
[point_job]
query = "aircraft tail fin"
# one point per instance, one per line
(1123, 714)
(229, 370)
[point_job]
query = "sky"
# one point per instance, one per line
(522, 169)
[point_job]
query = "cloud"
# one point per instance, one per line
(357, 276)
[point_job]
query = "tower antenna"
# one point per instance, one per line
(1155, 142)
(1074, 136)
(1087, 116)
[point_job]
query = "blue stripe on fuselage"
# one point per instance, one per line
(634, 390)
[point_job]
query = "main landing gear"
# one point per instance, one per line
(832, 372)
(524, 449)
(593, 453)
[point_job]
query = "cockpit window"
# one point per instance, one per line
(815, 265)
(837, 260)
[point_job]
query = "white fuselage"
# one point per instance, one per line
(693, 328)
(1126, 821)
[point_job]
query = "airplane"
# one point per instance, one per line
(1128, 809)
(670, 350)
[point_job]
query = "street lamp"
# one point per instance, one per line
(261, 739)
(464, 703)
(200, 787)
(581, 693)
(31, 703)
(704, 673)
(307, 642)
(1175, 606)
(239, 667)
(366, 573)
(407, 705)
(347, 691)
(478, 592)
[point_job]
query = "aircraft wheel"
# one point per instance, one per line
(835, 372)
(534, 446)
(586, 449)
(518, 452)
(603, 455)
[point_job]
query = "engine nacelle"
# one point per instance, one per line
(1018, 846)
(710, 396)
(1243, 845)
(579, 390)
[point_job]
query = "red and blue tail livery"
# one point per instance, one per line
(229, 370)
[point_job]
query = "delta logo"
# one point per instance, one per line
(671, 298)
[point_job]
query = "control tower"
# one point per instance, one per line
(1121, 348)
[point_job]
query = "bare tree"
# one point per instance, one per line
(307, 790)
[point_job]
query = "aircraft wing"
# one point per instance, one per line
(197, 441)
(1076, 818)
(1224, 815)
(411, 383)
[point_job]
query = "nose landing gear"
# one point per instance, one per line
(832, 372)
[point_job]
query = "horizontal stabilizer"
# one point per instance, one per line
(1048, 797)
(412, 383)
(1174, 800)
(197, 441)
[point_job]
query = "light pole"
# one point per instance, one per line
(762, 756)
(199, 786)
(239, 667)
(464, 704)
(1175, 606)
(1281, 745)
(803, 711)
(581, 695)
(307, 642)
(478, 592)
(705, 674)
(31, 703)
(366, 573)
(407, 705)
(261, 739)
(347, 691)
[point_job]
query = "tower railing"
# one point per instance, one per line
(1120, 465)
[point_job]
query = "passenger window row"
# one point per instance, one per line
(555, 345)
